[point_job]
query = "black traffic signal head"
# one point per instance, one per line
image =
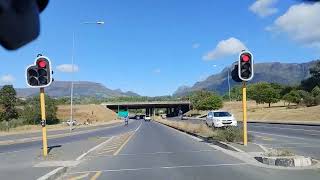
(234, 73)
(245, 66)
(40, 74)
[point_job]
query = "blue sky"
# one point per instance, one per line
(153, 47)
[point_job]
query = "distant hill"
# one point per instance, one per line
(283, 73)
(81, 88)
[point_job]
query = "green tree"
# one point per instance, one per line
(264, 93)
(8, 101)
(31, 111)
(306, 98)
(205, 100)
(313, 80)
(315, 91)
(292, 97)
(236, 93)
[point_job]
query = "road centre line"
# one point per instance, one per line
(79, 177)
(162, 167)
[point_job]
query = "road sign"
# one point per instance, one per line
(123, 113)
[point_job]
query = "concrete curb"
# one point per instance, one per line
(54, 174)
(296, 161)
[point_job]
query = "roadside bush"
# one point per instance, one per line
(7, 125)
(31, 111)
(230, 134)
(306, 98)
(317, 100)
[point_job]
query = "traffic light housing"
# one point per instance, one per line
(234, 72)
(39, 75)
(245, 66)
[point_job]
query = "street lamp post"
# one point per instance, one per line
(72, 73)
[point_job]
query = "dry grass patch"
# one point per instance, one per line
(277, 112)
(83, 113)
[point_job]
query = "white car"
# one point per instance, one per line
(147, 118)
(73, 122)
(220, 119)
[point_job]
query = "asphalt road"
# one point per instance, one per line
(101, 132)
(300, 139)
(159, 152)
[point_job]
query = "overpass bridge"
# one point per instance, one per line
(172, 108)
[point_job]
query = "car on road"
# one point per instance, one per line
(137, 117)
(71, 122)
(147, 118)
(220, 119)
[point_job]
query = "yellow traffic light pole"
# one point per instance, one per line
(43, 123)
(244, 107)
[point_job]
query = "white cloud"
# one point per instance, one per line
(301, 22)
(67, 68)
(7, 79)
(157, 71)
(264, 8)
(226, 47)
(195, 45)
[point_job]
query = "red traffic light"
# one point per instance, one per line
(42, 64)
(245, 58)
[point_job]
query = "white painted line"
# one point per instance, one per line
(94, 148)
(52, 173)
(161, 167)
(57, 163)
(274, 127)
(291, 137)
(282, 144)
(138, 127)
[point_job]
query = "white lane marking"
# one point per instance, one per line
(288, 147)
(266, 144)
(138, 127)
(307, 130)
(10, 152)
(155, 153)
(94, 148)
(161, 167)
(290, 137)
(52, 173)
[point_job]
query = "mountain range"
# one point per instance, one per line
(276, 72)
(81, 89)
